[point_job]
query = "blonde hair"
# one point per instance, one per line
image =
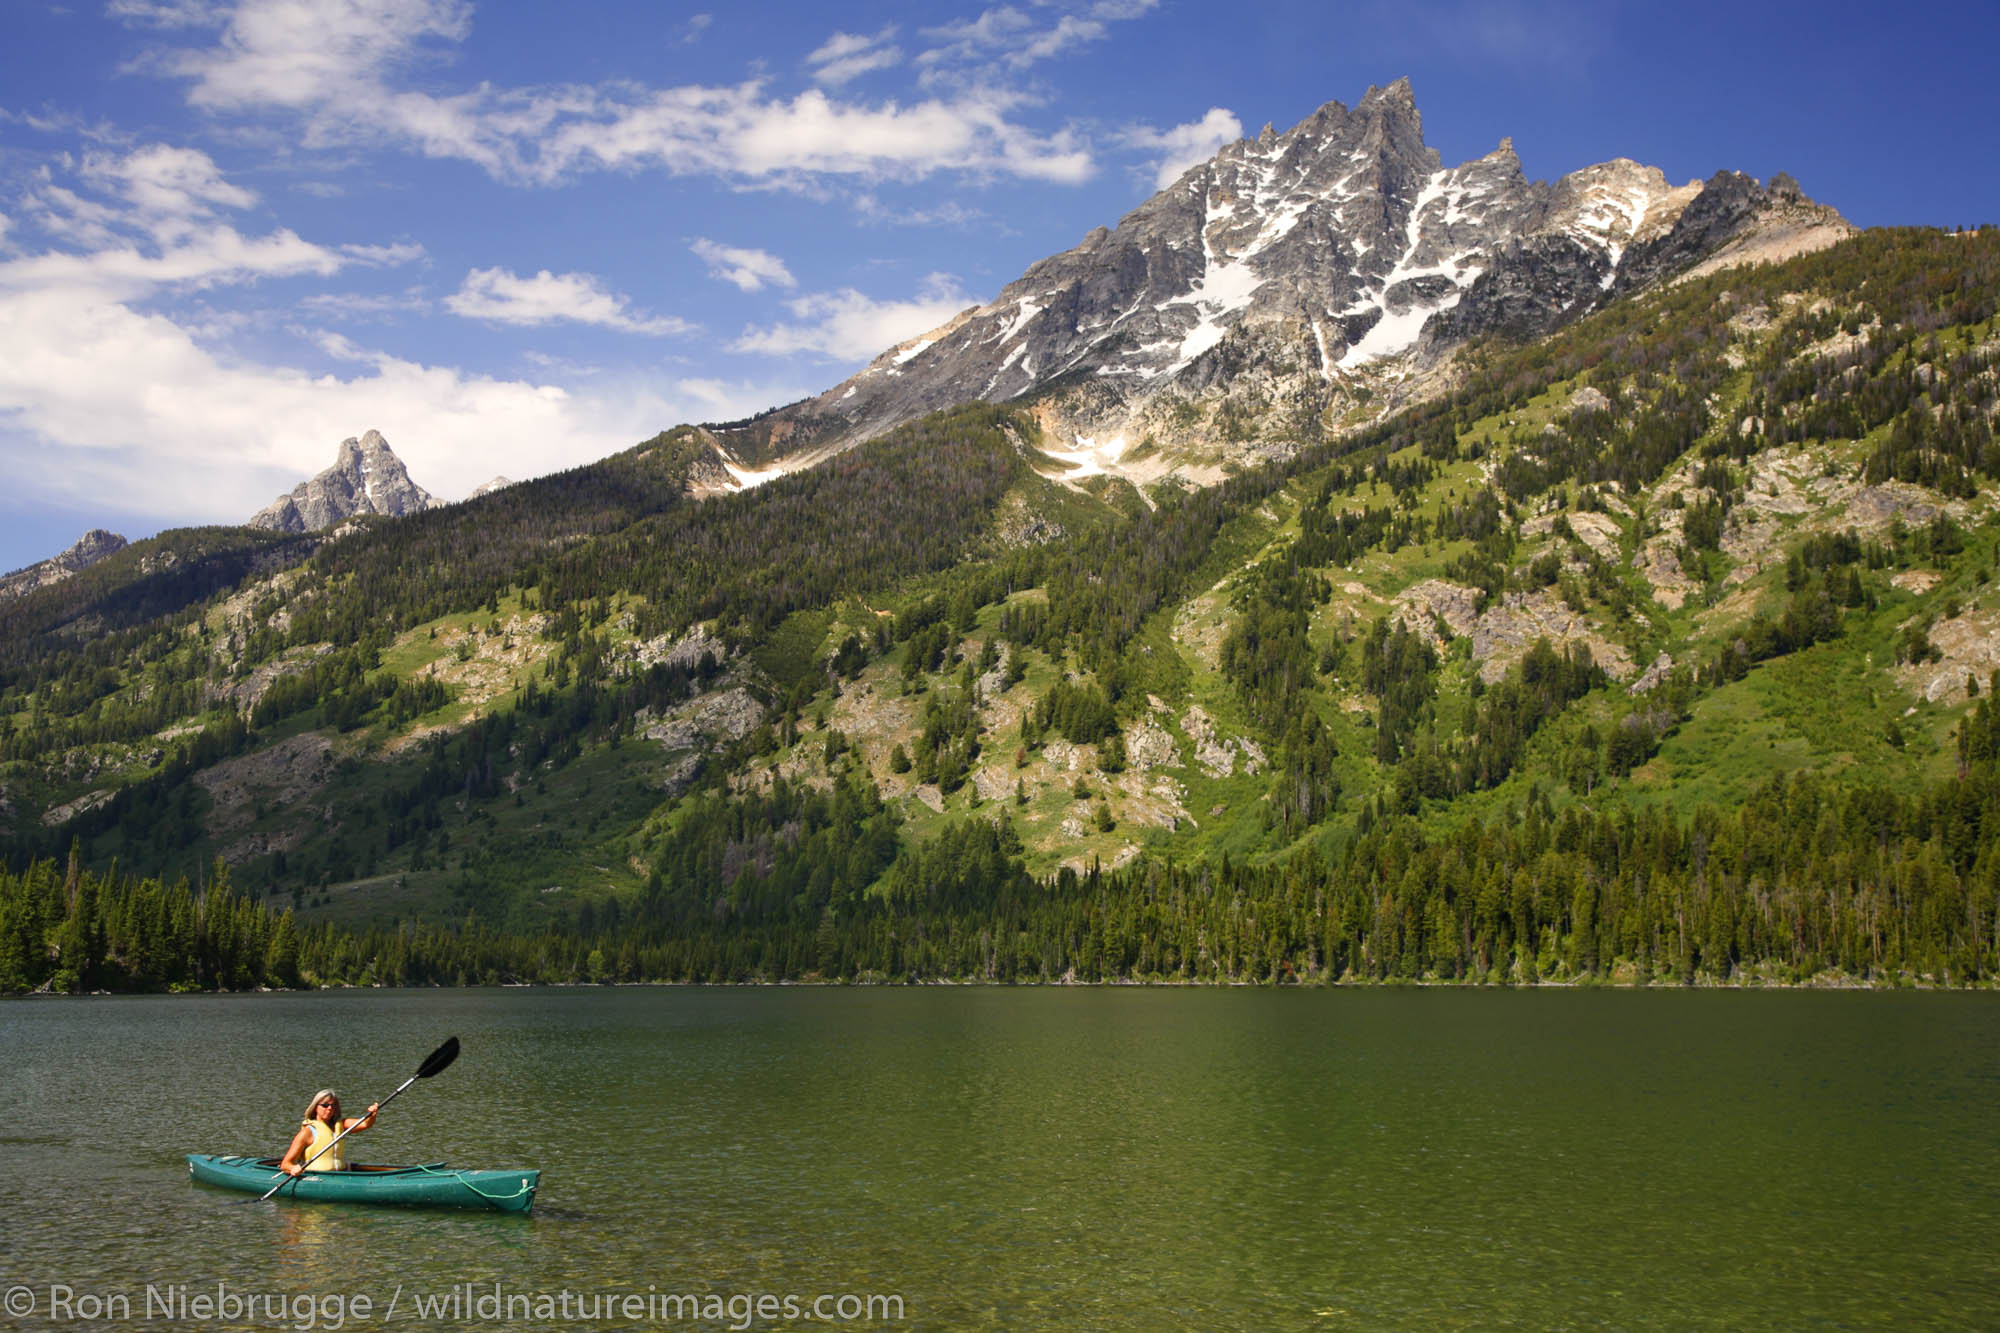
(319, 1097)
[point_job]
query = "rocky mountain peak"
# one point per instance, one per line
(1396, 94)
(366, 478)
(1340, 255)
(88, 549)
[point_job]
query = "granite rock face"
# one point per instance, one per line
(1319, 255)
(366, 478)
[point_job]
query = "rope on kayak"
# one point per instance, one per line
(524, 1188)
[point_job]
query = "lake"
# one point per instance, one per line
(1034, 1158)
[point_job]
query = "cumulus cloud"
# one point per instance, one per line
(750, 270)
(846, 325)
(845, 56)
(109, 404)
(500, 297)
(108, 407)
(1185, 145)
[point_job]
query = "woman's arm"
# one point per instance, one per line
(300, 1142)
(365, 1122)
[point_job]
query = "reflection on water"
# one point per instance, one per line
(1041, 1158)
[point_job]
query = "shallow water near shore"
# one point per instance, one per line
(996, 1158)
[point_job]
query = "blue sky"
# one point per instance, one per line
(515, 237)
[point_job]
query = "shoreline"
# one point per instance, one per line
(1820, 983)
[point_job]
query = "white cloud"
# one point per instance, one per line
(167, 197)
(302, 53)
(1185, 145)
(1069, 31)
(750, 270)
(160, 192)
(168, 187)
(970, 39)
(214, 256)
(950, 213)
(501, 297)
(153, 225)
(362, 306)
(107, 408)
(737, 131)
(848, 326)
(1016, 39)
(383, 256)
(697, 24)
(1121, 10)
(169, 13)
(727, 400)
(845, 56)
(334, 63)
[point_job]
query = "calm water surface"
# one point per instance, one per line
(1048, 1158)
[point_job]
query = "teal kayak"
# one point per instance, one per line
(431, 1185)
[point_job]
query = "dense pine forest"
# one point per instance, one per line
(1660, 651)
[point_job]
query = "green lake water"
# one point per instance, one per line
(1036, 1158)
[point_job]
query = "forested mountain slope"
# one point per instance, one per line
(1660, 648)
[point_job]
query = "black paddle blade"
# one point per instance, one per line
(440, 1059)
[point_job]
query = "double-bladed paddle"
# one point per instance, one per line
(434, 1063)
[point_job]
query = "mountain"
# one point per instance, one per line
(366, 478)
(1658, 647)
(90, 548)
(1294, 284)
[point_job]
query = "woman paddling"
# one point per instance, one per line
(322, 1126)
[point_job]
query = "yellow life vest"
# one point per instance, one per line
(333, 1160)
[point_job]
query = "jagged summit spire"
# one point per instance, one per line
(366, 478)
(1397, 93)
